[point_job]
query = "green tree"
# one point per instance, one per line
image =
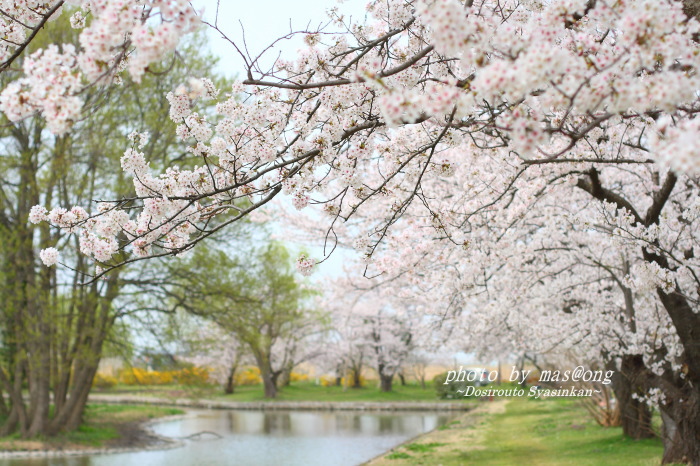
(52, 326)
(261, 303)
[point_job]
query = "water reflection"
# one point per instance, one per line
(270, 438)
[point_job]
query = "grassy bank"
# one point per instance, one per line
(298, 391)
(104, 426)
(525, 431)
(306, 391)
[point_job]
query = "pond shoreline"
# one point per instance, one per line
(285, 405)
(159, 442)
(460, 433)
(140, 430)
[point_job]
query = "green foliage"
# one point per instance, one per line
(263, 283)
(46, 312)
(254, 296)
(451, 390)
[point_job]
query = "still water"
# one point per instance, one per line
(269, 438)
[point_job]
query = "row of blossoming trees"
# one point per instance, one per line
(252, 309)
(529, 163)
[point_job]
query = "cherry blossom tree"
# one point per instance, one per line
(371, 120)
(375, 327)
(349, 352)
(211, 347)
(562, 269)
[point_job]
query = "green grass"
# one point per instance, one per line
(297, 391)
(306, 391)
(555, 432)
(101, 427)
(423, 447)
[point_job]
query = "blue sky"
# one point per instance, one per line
(263, 22)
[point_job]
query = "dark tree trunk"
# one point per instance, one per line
(71, 415)
(11, 422)
(269, 377)
(39, 386)
(356, 380)
(385, 382)
(80, 394)
(402, 378)
(230, 385)
(681, 430)
(285, 378)
(4, 410)
(681, 411)
(635, 416)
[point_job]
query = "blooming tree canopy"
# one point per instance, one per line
(435, 129)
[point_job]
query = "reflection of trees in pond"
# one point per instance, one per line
(349, 422)
(388, 424)
(277, 423)
(305, 424)
(231, 422)
(356, 423)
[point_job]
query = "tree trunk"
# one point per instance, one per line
(39, 389)
(402, 378)
(285, 377)
(71, 416)
(4, 410)
(270, 384)
(77, 409)
(681, 408)
(635, 416)
(230, 385)
(269, 377)
(356, 380)
(681, 430)
(385, 382)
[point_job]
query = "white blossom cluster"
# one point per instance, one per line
(122, 34)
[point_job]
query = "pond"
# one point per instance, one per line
(269, 438)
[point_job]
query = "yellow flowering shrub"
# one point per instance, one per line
(104, 381)
(351, 377)
(186, 376)
(192, 376)
(328, 381)
(248, 376)
(298, 377)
